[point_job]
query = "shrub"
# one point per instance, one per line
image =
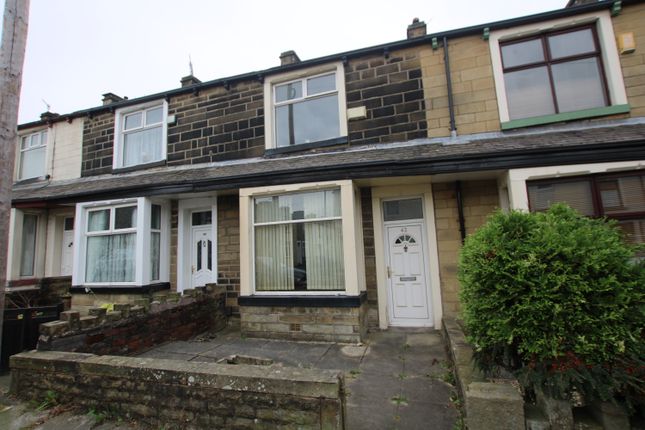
(557, 298)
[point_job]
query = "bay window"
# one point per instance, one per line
(616, 196)
(298, 242)
(122, 243)
(301, 239)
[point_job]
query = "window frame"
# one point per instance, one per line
(120, 116)
(549, 62)
(141, 228)
(596, 199)
(21, 151)
(351, 227)
(255, 224)
(271, 82)
(616, 96)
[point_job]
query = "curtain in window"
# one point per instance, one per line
(324, 251)
(142, 146)
(32, 163)
(274, 258)
(28, 255)
(111, 258)
(155, 252)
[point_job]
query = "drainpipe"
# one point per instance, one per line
(460, 210)
(451, 105)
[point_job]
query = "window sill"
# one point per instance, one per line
(305, 146)
(304, 301)
(567, 116)
(139, 167)
(120, 289)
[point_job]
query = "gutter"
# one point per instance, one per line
(343, 56)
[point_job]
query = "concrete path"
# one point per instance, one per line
(396, 380)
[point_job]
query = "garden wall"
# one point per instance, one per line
(169, 393)
(131, 329)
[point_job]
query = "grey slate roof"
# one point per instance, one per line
(619, 140)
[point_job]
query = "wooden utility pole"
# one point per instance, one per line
(12, 56)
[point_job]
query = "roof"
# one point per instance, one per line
(343, 56)
(580, 143)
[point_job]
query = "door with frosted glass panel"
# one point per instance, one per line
(202, 256)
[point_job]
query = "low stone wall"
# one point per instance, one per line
(131, 329)
(332, 324)
(488, 405)
(181, 394)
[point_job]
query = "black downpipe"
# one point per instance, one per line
(451, 105)
(460, 210)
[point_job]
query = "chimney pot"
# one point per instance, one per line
(416, 29)
(189, 80)
(289, 57)
(109, 98)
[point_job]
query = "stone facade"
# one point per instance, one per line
(228, 249)
(473, 87)
(131, 329)
(333, 324)
(370, 258)
(217, 124)
(98, 144)
(391, 89)
(633, 65)
(178, 394)
(480, 198)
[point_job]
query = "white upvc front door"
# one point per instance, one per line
(202, 255)
(408, 293)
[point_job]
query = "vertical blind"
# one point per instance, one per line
(298, 242)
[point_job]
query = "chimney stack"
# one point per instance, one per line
(289, 57)
(109, 98)
(189, 80)
(416, 29)
(48, 116)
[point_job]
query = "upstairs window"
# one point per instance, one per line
(305, 107)
(33, 151)
(554, 73)
(140, 135)
(557, 70)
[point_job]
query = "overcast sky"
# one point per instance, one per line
(80, 49)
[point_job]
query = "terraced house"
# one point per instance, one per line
(332, 195)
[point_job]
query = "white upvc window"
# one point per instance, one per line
(301, 239)
(122, 243)
(140, 134)
(557, 70)
(33, 153)
(305, 106)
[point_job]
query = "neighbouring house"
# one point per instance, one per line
(332, 195)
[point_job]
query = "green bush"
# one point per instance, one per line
(557, 298)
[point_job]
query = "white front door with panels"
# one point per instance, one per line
(407, 277)
(202, 256)
(67, 247)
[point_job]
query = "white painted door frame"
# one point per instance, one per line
(403, 191)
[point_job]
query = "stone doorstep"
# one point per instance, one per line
(317, 383)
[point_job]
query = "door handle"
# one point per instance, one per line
(389, 272)
(192, 268)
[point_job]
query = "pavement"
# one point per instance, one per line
(397, 379)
